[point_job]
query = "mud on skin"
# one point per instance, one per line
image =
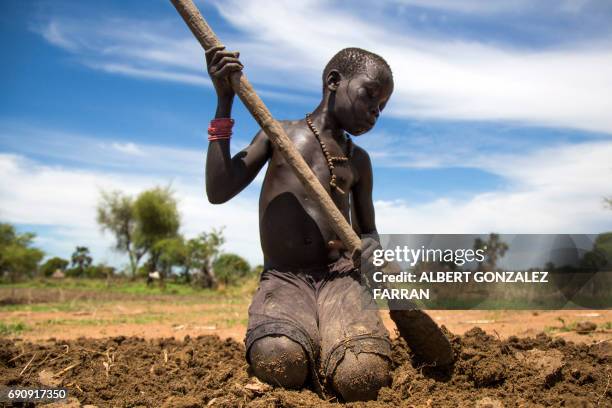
(538, 372)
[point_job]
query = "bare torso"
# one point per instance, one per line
(293, 230)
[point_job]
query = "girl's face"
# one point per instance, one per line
(358, 101)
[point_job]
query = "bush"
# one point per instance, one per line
(52, 265)
(257, 270)
(230, 268)
(81, 260)
(18, 259)
(99, 271)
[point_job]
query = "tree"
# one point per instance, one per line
(100, 271)
(601, 254)
(173, 252)
(51, 265)
(18, 258)
(494, 249)
(202, 252)
(81, 260)
(138, 225)
(230, 268)
(194, 258)
(157, 219)
(116, 215)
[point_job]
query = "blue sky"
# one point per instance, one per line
(500, 120)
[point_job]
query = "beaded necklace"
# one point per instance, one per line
(328, 157)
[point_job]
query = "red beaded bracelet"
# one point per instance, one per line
(220, 129)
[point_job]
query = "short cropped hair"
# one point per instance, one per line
(351, 61)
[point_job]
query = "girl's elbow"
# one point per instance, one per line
(215, 195)
(216, 198)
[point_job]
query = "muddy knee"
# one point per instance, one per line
(278, 360)
(359, 377)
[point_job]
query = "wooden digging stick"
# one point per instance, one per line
(275, 132)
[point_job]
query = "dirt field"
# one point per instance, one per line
(156, 350)
(207, 371)
(70, 314)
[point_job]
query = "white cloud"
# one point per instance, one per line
(129, 148)
(438, 78)
(140, 49)
(441, 77)
(467, 6)
(144, 73)
(63, 199)
(552, 190)
(496, 7)
(54, 35)
(111, 154)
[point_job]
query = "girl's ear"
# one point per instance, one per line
(333, 80)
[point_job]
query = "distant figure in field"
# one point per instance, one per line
(152, 277)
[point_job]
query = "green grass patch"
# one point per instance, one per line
(237, 293)
(119, 285)
(8, 329)
(140, 319)
(68, 306)
(563, 328)
(230, 321)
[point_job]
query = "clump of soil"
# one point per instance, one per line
(517, 372)
(206, 371)
(585, 327)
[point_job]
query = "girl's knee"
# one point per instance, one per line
(359, 377)
(280, 361)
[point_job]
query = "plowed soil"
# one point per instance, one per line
(206, 371)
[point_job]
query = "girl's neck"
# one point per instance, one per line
(325, 122)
